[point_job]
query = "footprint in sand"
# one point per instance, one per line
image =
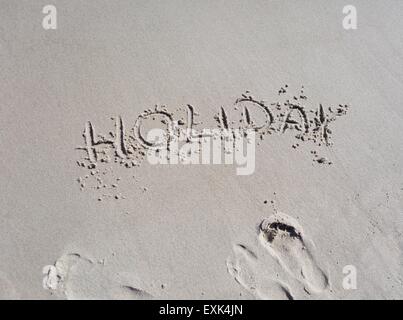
(283, 238)
(76, 277)
(242, 266)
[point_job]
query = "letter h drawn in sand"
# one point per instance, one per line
(91, 144)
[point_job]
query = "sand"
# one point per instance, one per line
(320, 216)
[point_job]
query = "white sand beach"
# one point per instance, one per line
(86, 215)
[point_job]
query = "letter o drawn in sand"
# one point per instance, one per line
(149, 114)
